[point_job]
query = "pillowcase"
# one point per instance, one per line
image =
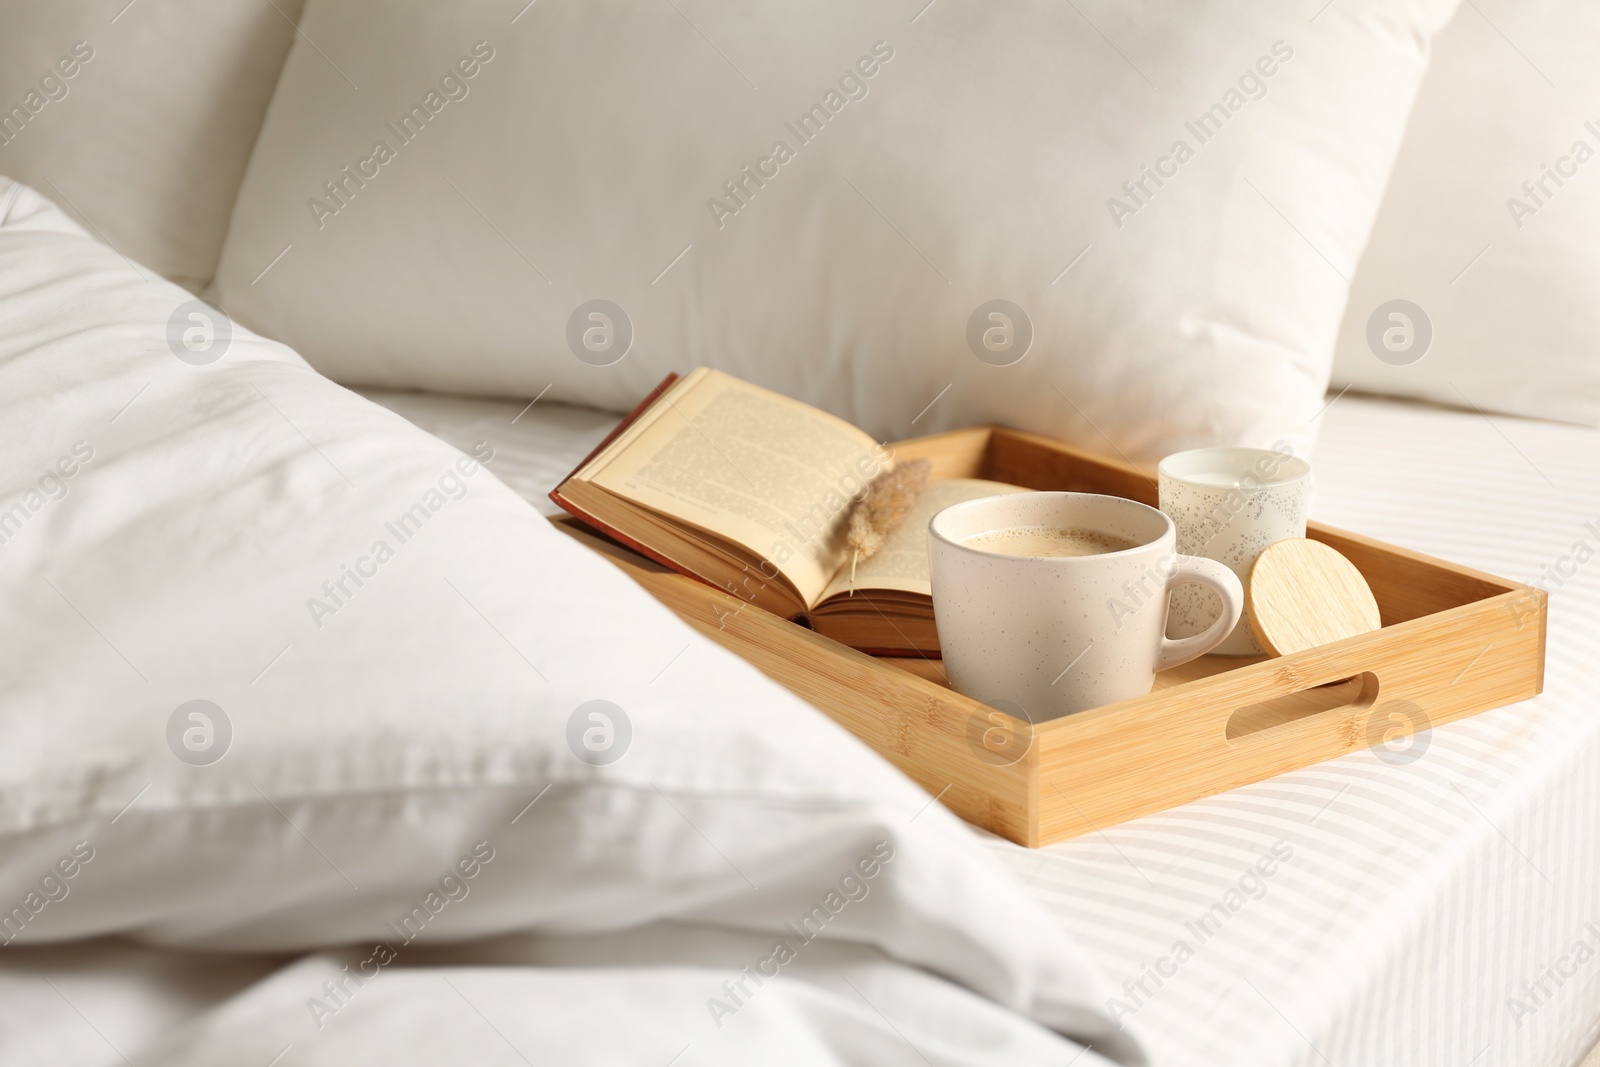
(139, 117)
(1127, 227)
(283, 671)
(1484, 246)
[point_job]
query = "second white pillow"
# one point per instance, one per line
(1132, 228)
(1478, 289)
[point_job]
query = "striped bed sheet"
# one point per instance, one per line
(1445, 911)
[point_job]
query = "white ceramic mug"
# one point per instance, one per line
(1051, 635)
(1228, 504)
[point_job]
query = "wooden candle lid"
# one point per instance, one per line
(1302, 594)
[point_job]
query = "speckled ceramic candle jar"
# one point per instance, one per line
(1228, 504)
(1051, 635)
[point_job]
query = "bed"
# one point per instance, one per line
(1427, 913)
(1436, 906)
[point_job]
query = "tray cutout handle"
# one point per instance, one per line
(1356, 693)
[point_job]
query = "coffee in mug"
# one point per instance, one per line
(1048, 541)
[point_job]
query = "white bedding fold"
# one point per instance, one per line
(394, 733)
(659, 994)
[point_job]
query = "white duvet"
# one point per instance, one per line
(282, 675)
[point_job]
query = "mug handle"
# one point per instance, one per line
(1221, 580)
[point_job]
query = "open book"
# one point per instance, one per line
(751, 491)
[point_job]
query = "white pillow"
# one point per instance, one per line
(1490, 223)
(969, 154)
(139, 117)
(385, 726)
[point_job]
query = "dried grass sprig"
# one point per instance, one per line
(889, 497)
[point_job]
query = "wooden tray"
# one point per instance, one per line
(1454, 642)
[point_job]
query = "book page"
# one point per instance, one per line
(902, 562)
(756, 468)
